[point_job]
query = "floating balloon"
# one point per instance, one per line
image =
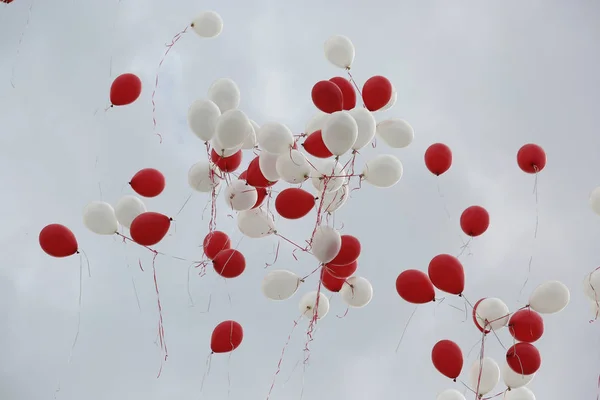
(127, 208)
(275, 138)
(227, 164)
(240, 196)
(148, 182)
(383, 171)
(267, 163)
(280, 284)
(226, 337)
(224, 151)
(232, 128)
(329, 176)
(357, 292)
(549, 297)
(396, 133)
(392, 101)
(314, 304)
(349, 251)
(339, 132)
(331, 282)
(522, 393)
(341, 271)
(315, 146)
(125, 89)
(58, 241)
(376, 93)
(326, 243)
(208, 24)
(327, 97)
(294, 203)
(203, 178)
(450, 394)
(415, 287)
(99, 217)
(348, 92)
(332, 201)
(484, 375)
(225, 93)
(367, 126)
(531, 158)
(595, 200)
(255, 223)
(316, 122)
(438, 158)
(251, 140)
(447, 358)
(523, 358)
(526, 326)
(214, 242)
(339, 51)
(255, 176)
(447, 274)
(202, 118)
(149, 228)
(490, 313)
(513, 379)
(292, 167)
(229, 263)
(474, 221)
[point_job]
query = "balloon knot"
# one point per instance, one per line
(129, 183)
(76, 251)
(302, 144)
(192, 24)
(316, 198)
(460, 295)
(454, 380)
(170, 219)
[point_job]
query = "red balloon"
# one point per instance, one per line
(327, 97)
(524, 358)
(342, 271)
(348, 92)
(447, 358)
(227, 164)
(254, 176)
(474, 316)
(6, 1)
(229, 263)
(148, 182)
(447, 274)
(125, 89)
(526, 325)
(214, 242)
(260, 191)
(294, 203)
(331, 283)
(531, 158)
(376, 93)
(415, 287)
(314, 145)
(349, 251)
(474, 221)
(226, 337)
(58, 241)
(438, 158)
(149, 228)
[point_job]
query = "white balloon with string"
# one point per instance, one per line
(280, 284)
(208, 24)
(224, 92)
(128, 208)
(204, 177)
(240, 196)
(514, 379)
(316, 123)
(222, 150)
(275, 138)
(549, 297)
(202, 118)
(484, 375)
(232, 128)
(366, 124)
(292, 167)
(383, 171)
(339, 51)
(332, 201)
(308, 305)
(267, 163)
(251, 142)
(491, 314)
(99, 217)
(396, 133)
(255, 223)
(328, 175)
(356, 292)
(326, 243)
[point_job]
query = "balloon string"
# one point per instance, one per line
(287, 342)
(161, 329)
(595, 297)
(12, 76)
(312, 324)
(351, 78)
(206, 371)
(126, 238)
(345, 313)
(535, 232)
(110, 72)
(406, 328)
(267, 265)
(481, 357)
(496, 395)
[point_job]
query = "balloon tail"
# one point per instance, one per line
(267, 265)
(312, 324)
(344, 314)
(161, 329)
(287, 342)
(206, 371)
(184, 204)
(481, 357)
(535, 231)
(12, 76)
(464, 247)
(406, 328)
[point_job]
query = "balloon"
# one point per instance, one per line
(376, 93)
(255, 223)
(314, 145)
(357, 292)
(531, 158)
(275, 138)
(447, 358)
(251, 140)
(326, 243)
(329, 176)
(447, 274)
(226, 337)
(240, 196)
(267, 163)
(280, 284)
(474, 221)
(225, 93)
(522, 393)
(591, 286)
(396, 133)
(367, 126)
(341, 271)
(232, 128)
(208, 24)
(316, 123)
(549, 297)
(348, 92)
(514, 380)
(294, 203)
(490, 313)
(148, 182)
(415, 287)
(339, 132)
(292, 167)
(484, 374)
(327, 97)
(450, 394)
(383, 171)
(125, 89)
(229, 263)
(526, 326)
(438, 158)
(203, 178)
(332, 201)
(227, 164)
(224, 151)
(310, 305)
(254, 175)
(392, 101)
(330, 282)
(594, 200)
(202, 118)
(523, 358)
(262, 195)
(127, 208)
(149, 228)
(58, 241)
(349, 251)
(99, 217)
(339, 51)
(214, 242)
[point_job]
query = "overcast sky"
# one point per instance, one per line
(483, 78)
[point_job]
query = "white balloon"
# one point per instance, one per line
(203, 177)
(316, 123)
(240, 196)
(595, 200)
(208, 24)
(267, 163)
(339, 132)
(224, 92)
(332, 201)
(202, 118)
(392, 101)
(396, 133)
(326, 243)
(275, 138)
(490, 375)
(308, 303)
(549, 297)
(251, 141)
(522, 393)
(292, 167)
(328, 172)
(383, 171)
(492, 314)
(127, 208)
(280, 284)
(514, 379)
(232, 128)
(366, 126)
(255, 223)
(450, 394)
(339, 51)
(222, 150)
(99, 217)
(357, 292)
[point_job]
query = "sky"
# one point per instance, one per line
(482, 77)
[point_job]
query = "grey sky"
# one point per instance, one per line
(483, 78)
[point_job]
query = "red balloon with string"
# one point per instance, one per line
(315, 146)
(447, 274)
(125, 89)
(327, 97)
(214, 242)
(227, 164)
(438, 158)
(531, 158)
(349, 251)
(226, 337)
(294, 203)
(149, 228)
(376, 92)
(261, 192)
(148, 182)
(524, 358)
(58, 241)
(342, 271)
(229, 263)
(348, 92)
(330, 282)
(447, 358)
(415, 287)
(474, 221)
(255, 177)
(526, 325)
